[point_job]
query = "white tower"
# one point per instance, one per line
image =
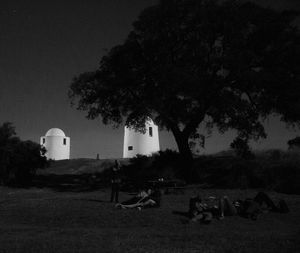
(139, 143)
(56, 144)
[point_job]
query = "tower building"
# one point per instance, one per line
(56, 144)
(141, 143)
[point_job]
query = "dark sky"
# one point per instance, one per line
(43, 44)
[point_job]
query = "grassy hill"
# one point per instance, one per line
(75, 175)
(79, 166)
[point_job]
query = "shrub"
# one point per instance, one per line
(18, 159)
(164, 164)
(273, 170)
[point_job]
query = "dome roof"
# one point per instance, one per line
(55, 132)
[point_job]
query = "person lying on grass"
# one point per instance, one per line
(149, 198)
(220, 207)
(261, 203)
(198, 211)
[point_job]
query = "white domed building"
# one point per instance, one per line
(56, 144)
(141, 143)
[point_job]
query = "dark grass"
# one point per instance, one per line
(44, 220)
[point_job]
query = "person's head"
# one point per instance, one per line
(143, 193)
(149, 191)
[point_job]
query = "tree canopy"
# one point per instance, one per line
(18, 159)
(227, 64)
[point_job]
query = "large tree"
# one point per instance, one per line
(225, 64)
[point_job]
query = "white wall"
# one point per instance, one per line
(56, 150)
(142, 144)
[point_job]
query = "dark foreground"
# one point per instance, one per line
(43, 220)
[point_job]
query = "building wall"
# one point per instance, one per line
(142, 144)
(55, 147)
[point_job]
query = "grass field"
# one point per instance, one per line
(46, 220)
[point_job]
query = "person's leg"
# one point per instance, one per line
(221, 207)
(197, 217)
(262, 198)
(148, 203)
(117, 193)
(131, 206)
(112, 196)
(131, 201)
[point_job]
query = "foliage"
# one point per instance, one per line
(241, 148)
(272, 170)
(189, 62)
(18, 159)
(266, 170)
(166, 164)
(280, 173)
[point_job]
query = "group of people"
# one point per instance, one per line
(199, 210)
(205, 210)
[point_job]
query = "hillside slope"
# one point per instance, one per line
(79, 166)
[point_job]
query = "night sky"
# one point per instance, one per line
(44, 44)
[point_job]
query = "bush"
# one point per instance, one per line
(19, 160)
(164, 164)
(273, 170)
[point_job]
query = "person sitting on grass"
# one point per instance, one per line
(249, 208)
(198, 211)
(149, 198)
(220, 207)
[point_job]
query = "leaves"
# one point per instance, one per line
(18, 158)
(230, 62)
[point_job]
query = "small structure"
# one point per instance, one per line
(141, 143)
(56, 144)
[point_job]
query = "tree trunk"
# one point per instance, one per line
(186, 154)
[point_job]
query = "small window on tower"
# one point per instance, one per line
(130, 147)
(44, 140)
(65, 141)
(150, 132)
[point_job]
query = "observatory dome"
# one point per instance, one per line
(55, 132)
